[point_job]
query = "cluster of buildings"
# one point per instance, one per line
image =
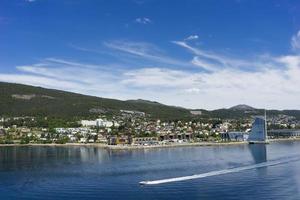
(99, 123)
(134, 128)
(260, 133)
(283, 122)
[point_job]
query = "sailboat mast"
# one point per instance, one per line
(266, 124)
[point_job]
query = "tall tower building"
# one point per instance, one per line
(259, 131)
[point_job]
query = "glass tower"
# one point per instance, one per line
(259, 130)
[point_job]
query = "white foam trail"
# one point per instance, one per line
(220, 172)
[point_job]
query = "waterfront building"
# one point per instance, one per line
(234, 136)
(144, 141)
(259, 130)
(175, 136)
(284, 133)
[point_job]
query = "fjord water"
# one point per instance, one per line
(82, 172)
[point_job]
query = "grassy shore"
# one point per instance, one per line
(129, 147)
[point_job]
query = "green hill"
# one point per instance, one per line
(24, 100)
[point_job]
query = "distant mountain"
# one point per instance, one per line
(242, 107)
(247, 113)
(24, 100)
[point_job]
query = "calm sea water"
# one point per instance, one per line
(95, 173)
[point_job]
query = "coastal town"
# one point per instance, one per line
(135, 128)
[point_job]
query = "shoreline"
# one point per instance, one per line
(127, 147)
(131, 147)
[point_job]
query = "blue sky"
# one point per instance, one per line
(197, 54)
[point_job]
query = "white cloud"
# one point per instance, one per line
(198, 52)
(41, 81)
(193, 90)
(204, 64)
(222, 80)
(191, 37)
(295, 41)
(143, 20)
(270, 88)
(136, 48)
(146, 51)
(211, 61)
(69, 63)
(157, 77)
(276, 88)
(68, 75)
(84, 49)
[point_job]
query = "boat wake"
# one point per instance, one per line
(221, 172)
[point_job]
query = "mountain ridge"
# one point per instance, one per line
(26, 100)
(242, 107)
(20, 100)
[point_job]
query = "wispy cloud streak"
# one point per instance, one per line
(145, 51)
(217, 80)
(143, 20)
(213, 61)
(295, 41)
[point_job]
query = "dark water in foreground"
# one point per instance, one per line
(94, 173)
